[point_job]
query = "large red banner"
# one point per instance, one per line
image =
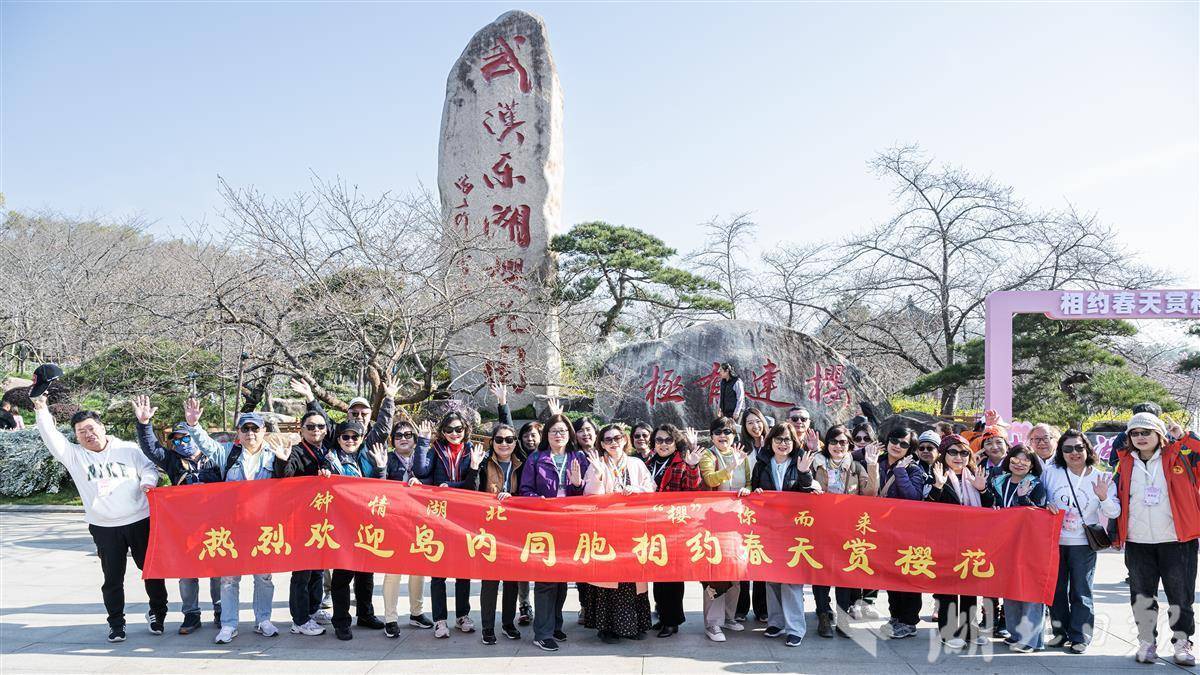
(384, 526)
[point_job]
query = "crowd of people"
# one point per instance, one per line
(1149, 499)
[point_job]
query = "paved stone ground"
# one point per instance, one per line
(52, 620)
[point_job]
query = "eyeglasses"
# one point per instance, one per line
(403, 434)
(664, 440)
(558, 432)
(1018, 458)
(958, 453)
(456, 429)
(641, 435)
(360, 412)
(610, 439)
(248, 429)
(181, 439)
(838, 441)
(723, 432)
(1073, 448)
(926, 448)
(349, 437)
(504, 439)
(862, 439)
(798, 418)
(1138, 433)
(314, 427)
(900, 442)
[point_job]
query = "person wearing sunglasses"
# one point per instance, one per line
(185, 463)
(1159, 526)
(724, 467)
(453, 460)
(862, 436)
(902, 478)
(640, 444)
(249, 457)
(1019, 484)
(306, 458)
(789, 469)
(500, 475)
(801, 420)
(555, 470)
(617, 610)
(351, 461)
(837, 473)
(587, 439)
(956, 480)
(1083, 493)
(927, 450)
(676, 468)
(410, 445)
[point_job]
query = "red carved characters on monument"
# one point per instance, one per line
(515, 219)
(828, 386)
(508, 368)
(711, 383)
(502, 171)
(664, 386)
(511, 273)
(502, 60)
(762, 387)
(502, 120)
(461, 219)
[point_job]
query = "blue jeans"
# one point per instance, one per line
(1024, 621)
(264, 593)
(1072, 615)
(189, 593)
(785, 608)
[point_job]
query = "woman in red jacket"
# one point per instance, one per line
(681, 472)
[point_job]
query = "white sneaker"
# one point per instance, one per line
(868, 611)
(465, 624)
(714, 633)
(322, 617)
(1183, 654)
(735, 626)
(955, 643)
(1147, 652)
(225, 635)
(440, 630)
(309, 627)
(266, 629)
(856, 612)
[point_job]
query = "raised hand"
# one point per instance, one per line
(500, 391)
(593, 455)
(980, 481)
(425, 430)
(1024, 488)
(1175, 431)
(390, 387)
(691, 436)
(281, 452)
(991, 417)
(804, 461)
(739, 455)
(693, 455)
(303, 388)
(1100, 487)
(574, 474)
(554, 406)
(142, 409)
(939, 474)
(873, 450)
(478, 452)
(192, 411)
(39, 402)
(378, 454)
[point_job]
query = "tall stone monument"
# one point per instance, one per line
(500, 175)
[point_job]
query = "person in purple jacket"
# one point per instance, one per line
(452, 461)
(902, 477)
(555, 470)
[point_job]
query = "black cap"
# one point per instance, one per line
(42, 377)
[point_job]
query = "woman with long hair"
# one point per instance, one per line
(754, 436)
(680, 473)
(500, 476)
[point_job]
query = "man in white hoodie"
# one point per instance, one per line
(112, 477)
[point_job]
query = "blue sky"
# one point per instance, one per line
(674, 112)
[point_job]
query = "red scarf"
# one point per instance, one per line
(453, 454)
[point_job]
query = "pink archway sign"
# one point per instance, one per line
(1001, 306)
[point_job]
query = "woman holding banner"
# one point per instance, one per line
(957, 480)
(837, 473)
(617, 610)
(555, 470)
(410, 446)
(902, 478)
(680, 474)
(453, 461)
(499, 476)
(788, 469)
(724, 467)
(587, 438)
(754, 434)
(1019, 484)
